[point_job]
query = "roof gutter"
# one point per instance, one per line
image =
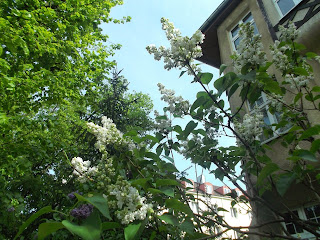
(204, 27)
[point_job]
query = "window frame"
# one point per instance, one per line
(302, 215)
(272, 118)
(236, 37)
(296, 2)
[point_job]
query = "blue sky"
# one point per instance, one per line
(141, 70)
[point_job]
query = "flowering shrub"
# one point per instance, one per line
(131, 188)
(182, 51)
(286, 99)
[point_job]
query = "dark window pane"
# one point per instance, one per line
(285, 6)
(235, 31)
(248, 18)
(237, 42)
(266, 118)
(260, 101)
(291, 228)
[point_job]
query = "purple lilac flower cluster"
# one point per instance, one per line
(72, 196)
(11, 209)
(82, 212)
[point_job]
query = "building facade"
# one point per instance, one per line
(221, 31)
(208, 197)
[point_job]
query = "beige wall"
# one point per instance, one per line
(309, 35)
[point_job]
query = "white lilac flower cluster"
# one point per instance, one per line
(176, 105)
(107, 134)
(82, 169)
(184, 145)
(276, 101)
(162, 121)
(121, 196)
(250, 49)
(280, 59)
(288, 34)
(129, 204)
(182, 51)
(298, 81)
(282, 62)
(251, 126)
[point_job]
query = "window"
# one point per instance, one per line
(291, 227)
(262, 103)
(311, 213)
(227, 190)
(284, 6)
(209, 189)
(234, 33)
(234, 212)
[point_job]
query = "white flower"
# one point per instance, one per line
(183, 49)
(251, 126)
(250, 48)
(64, 181)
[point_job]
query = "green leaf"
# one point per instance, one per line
(222, 68)
(26, 15)
(169, 158)
(97, 201)
(311, 55)
(175, 204)
(189, 128)
(152, 155)
(300, 71)
(86, 231)
(306, 155)
(131, 232)
(202, 94)
(266, 171)
(163, 117)
(314, 89)
(32, 218)
(312, 131)
(315, 146)
(159, 150)
(284, 182)
(140, 182)
(206, 78)
(187, 226)
(45, 229)
(167, 182)
(221, 209)
(110, 225)
(297, 97)
(154, 191)
(197, 103)
(232, 90)
(131, 133)
(273, 87)
(182, 72)
(170, 219)
(169, 191)
(152, 138)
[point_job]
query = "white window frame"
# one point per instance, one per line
(264, 105)
(302, 215)
(209, 189)
(234, 38)
(296, 2)
(234, 212)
